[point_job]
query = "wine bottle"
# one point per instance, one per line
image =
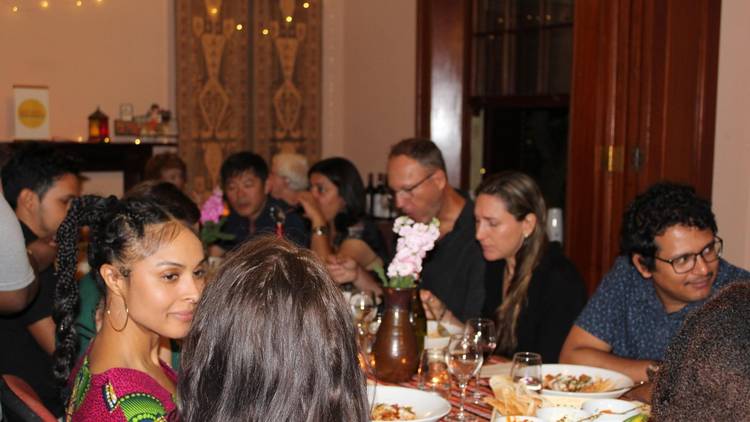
(379, 198)
(369, 193)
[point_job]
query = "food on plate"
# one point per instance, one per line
(392, 412)
(576, 384)
(512, 399)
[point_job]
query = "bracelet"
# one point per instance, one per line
(320, 230)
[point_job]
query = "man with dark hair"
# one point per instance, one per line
(39, 183)
(252, 211)
(670, 264)
(454, 270)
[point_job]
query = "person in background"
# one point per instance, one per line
(18, 283)
(39, 183)
(670, 264)
(534, 293)
(176, 203)
(152, 268)
(335, 206)
(706, 370)
(252, 212)
(272, 340)
(287, 178)
(168, 167)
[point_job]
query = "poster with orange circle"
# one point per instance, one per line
(31, 109)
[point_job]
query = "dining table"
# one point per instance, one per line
(482, 411)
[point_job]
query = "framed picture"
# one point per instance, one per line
(126, 112)
(31, 112)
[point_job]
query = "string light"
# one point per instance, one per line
(214, 11)
(306, 5)
(239, 27)
(265, 31)
(79, 3)
(288, 19)
(44, 4)
(14, 9)
(137, 141)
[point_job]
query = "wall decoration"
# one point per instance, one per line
(31, 105)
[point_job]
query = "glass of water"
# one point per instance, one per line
(527, 369)
(464, 358)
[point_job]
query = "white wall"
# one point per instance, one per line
(369, 78)
(731, 182)
(119, 51)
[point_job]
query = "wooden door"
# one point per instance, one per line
(642, 110)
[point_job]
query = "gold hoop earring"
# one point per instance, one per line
(127, 317)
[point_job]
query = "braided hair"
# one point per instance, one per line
(118, 235)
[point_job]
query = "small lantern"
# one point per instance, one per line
(98, 127)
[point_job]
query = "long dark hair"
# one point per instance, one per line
(342, 173)
(120, 233)
(521, 196)
(272, 340)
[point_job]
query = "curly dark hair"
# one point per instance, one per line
(120, 232)
(660, 207)
(706, 371)
(35, 166)
(272, 340)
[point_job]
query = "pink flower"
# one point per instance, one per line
(213, 208)
(415, 239)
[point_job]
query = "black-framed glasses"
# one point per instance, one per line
(685, 263)
(409, 190)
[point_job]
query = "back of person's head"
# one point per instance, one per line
(292, 167)
(243, 161)
(36, 167)
(121, 232)
(661, 206)
(421, 150)
(521, 196)
(161, 162)
(706, 371)
(168, 196)
(342, 173)
(272, 340)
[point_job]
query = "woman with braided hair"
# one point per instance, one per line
(151, 267)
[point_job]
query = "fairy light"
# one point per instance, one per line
(306, 5)
(239, 27)
(14, 9)
(214, 11)
(44, 4)
(79, 3)
(265, 31)
(137, 141)
(288, 19)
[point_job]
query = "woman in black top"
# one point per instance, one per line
(532, 291)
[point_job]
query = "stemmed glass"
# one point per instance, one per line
(364, 307)
(464, 358)
(527, 369)
(483, 330)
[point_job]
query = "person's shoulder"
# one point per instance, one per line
(729, 273)
(555, 268)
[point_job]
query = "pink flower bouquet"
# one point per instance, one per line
(213, 215)
(415, 239)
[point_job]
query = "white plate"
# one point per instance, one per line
(625, 409)
(622, 381)
(429, 407)
(497, 417)
(432, 341)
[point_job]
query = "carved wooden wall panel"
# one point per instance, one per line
(252, 89)
(287, 77)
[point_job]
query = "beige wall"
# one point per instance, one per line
(369, 76)
(120, 51)
(731, 183)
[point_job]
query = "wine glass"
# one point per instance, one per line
(483, 329)
(364, 306)
(527, 369)
(464, 358)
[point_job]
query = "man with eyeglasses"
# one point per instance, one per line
(670, 264)
(454, 270)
